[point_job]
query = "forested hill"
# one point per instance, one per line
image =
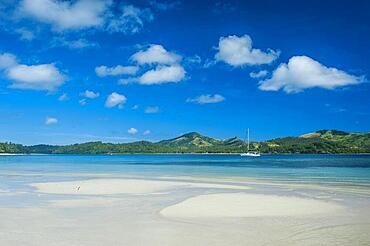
(324, 141)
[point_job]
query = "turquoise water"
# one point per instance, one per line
(340, 169)
(43, 217)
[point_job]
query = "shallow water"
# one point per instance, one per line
(31, 217)
(352, 170)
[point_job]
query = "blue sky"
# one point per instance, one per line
(77, 71)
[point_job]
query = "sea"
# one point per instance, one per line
(29, 216)
(341, 170)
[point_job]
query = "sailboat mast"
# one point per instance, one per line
(248, 139)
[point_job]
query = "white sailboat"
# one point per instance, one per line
(250, 153)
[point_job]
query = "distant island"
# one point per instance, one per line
(320, 142)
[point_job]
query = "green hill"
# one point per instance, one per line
(323, 141)
(12, 148)
(196, 143)
(190, 140)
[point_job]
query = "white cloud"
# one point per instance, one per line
(82, 102)
(103, 71)
(208, 63)
(63, 15)
(193, 61)
(115, 99)
(63, 97)
(303, 72)
(164, 66)
(156, 54)
(131, 20)
(7, 60)
(73, 44)
(146, 132)
(258, 74)
(76, 15)
(159, 75)
(90, 94)
(135, 107)
(132, 131)
(206, 99)
(152, 110)
(25, 34)
(238, 51)
(35, 77)
(51, 120)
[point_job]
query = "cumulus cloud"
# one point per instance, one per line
(132, 131)
(303, 72)
(152, 110)
(90, 94)
(163, 66)
(51, 120)
(156, 54)
(114, 100)
(258, 74)
(159, 75)
(206, 99)
(103, 71)
(65, 15)
(7, 60)
(131, 20)
(35, 77)
(146, 132)
(238, 51)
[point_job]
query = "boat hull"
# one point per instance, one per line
(250, 154)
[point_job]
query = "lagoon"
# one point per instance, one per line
(156, 199)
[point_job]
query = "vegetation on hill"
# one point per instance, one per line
(12, 148)
(195, 143)
(324, 141)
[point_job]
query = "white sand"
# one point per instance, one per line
(86, 203)
(248, 205)
(235, 218)
(102, 187)
(122, 186)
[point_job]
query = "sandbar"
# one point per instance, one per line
(249, 205)
(122, 186)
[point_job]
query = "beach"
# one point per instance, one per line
(105, 207)
(184, 123)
